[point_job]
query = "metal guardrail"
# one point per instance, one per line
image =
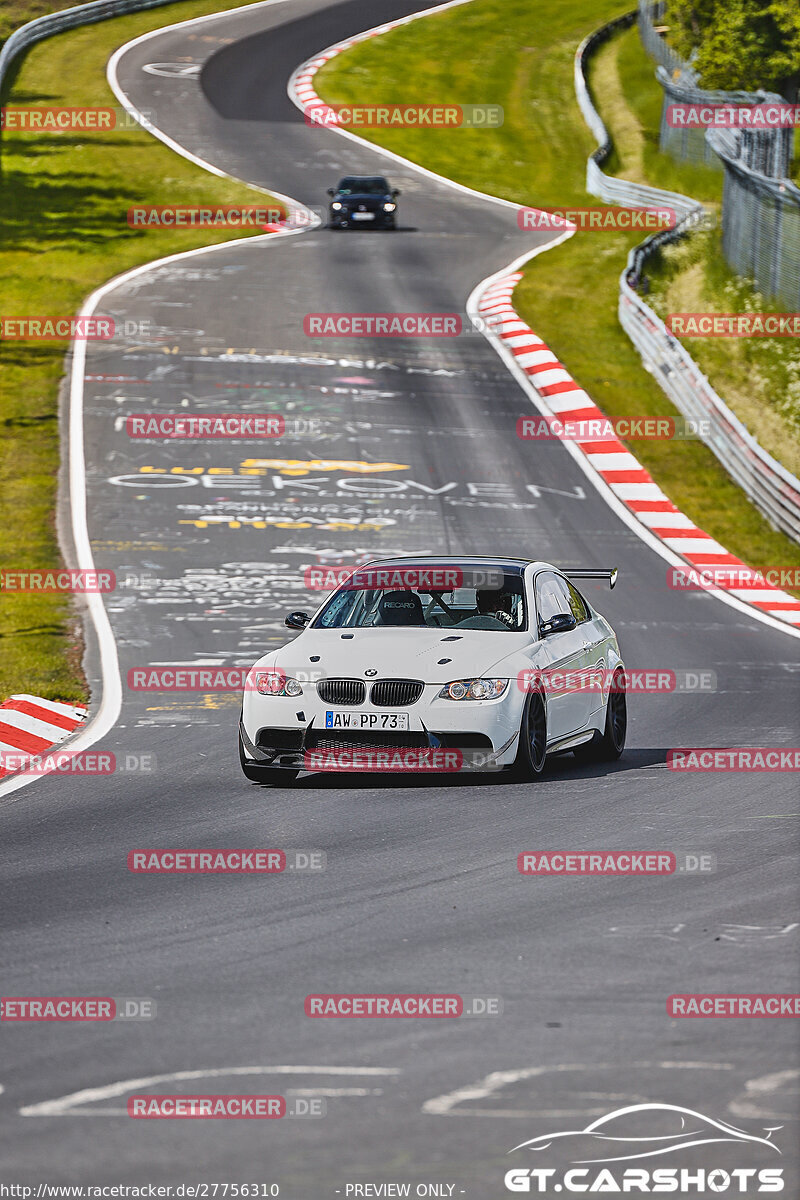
(771, 488)
(58, 22)
(765, 150)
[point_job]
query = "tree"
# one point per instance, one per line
(740, 44)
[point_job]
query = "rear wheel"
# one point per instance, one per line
(532, 749)
(258, 774)
(608, 746)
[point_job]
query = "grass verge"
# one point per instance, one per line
(63, 232)
(519, 55)
(18, 12)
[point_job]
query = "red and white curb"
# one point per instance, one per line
(301, 89)
(611, 459)
(29, 726)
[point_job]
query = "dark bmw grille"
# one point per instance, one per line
(342, 691)
(395, 693)
(364, 739)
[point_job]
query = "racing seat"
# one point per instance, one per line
(400, 608)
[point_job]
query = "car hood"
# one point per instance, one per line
(398, 653)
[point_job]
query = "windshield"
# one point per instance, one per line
(499, 608)
(363, 187)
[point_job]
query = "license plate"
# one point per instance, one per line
(363, 216)
(366, 720)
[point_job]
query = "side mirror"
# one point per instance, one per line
(560, 623)
(396, 192)
(331, 191)
(297, 620)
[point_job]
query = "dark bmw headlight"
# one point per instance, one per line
(473, 689)
(336, 206)
(389, 206)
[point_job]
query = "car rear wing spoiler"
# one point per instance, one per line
(590, 573)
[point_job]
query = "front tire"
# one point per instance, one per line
(532, 749)
(256, 774)
(608, 746)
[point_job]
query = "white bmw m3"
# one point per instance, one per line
(439, 664)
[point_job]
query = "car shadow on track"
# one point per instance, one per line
(364, 231)
(558, 769)
(565, 766)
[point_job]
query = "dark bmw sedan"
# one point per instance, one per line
(363, 200)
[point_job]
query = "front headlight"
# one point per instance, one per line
(336, 206)
(473, 689)
(389, 207)
(275, 683)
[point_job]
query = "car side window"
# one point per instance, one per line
(552, 596)
(578, 606)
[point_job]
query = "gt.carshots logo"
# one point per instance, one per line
(592, 1160)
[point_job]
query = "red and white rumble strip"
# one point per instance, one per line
(301, 88)
(613, 461)
(30, 725)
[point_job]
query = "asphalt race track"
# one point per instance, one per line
(421, 891)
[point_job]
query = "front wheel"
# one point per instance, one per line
(532, 749)
(257, 774)
(609, 746)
